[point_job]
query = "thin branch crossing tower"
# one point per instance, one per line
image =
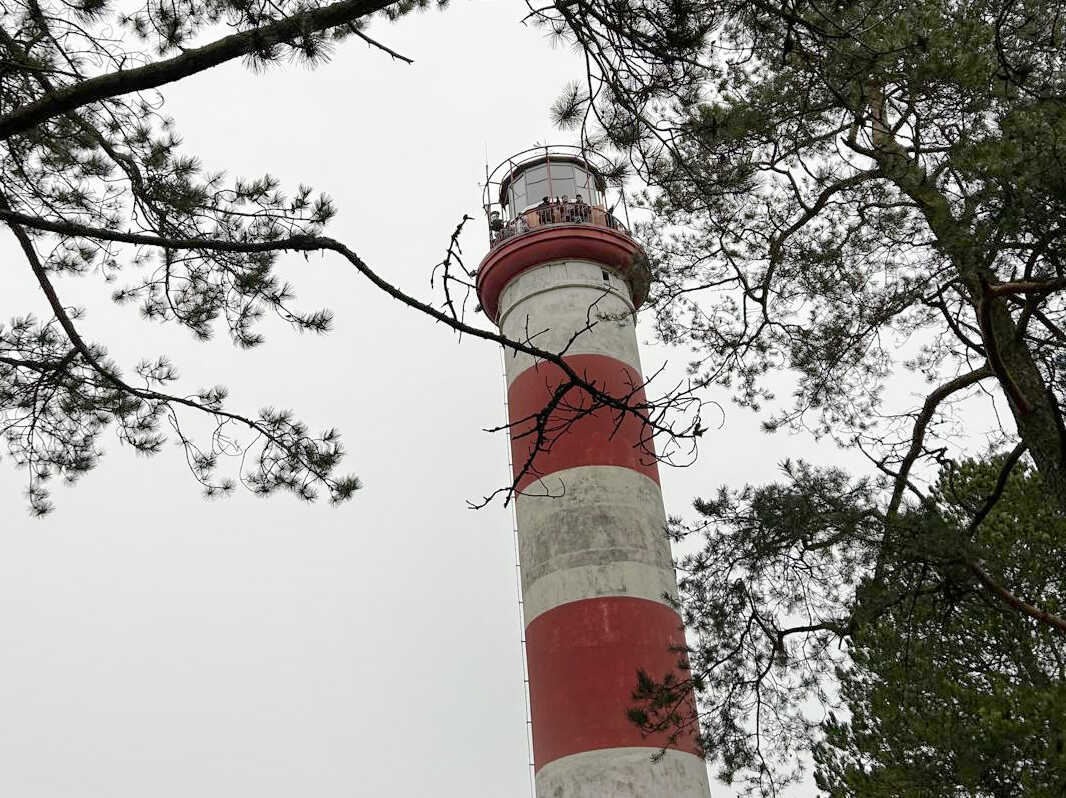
(564, 273)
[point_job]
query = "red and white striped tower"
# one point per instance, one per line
(595, 561)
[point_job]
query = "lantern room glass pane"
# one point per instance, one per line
(518, 198)
(564, 187)
(537, 190)
(536, 173)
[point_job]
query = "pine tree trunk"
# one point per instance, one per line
(1035, 410)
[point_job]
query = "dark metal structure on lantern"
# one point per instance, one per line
(595, 561)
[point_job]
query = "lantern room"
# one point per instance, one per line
(550, 185)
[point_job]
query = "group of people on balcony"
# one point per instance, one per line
(558, 211)
(563, 210)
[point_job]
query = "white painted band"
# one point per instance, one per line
(601, 533)
(624, 773)
(600, 290)
(548, 304)
(634, 579)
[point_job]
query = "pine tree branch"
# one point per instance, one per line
(652, 414)
(922, 422)
(44, 367)
(1001, 485)
(1026, 287)
(1036, 413)
(66, 228)
(556, 359)
(375, 43)
(308, 243)
(986, 580)
(82, 348)
(1007, 597)
(125, 81)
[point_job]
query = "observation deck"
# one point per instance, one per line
(553, 203)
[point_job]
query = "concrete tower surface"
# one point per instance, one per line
(595, 561)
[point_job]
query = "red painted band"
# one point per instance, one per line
(573, 434)
(561, 242)
(583, 662)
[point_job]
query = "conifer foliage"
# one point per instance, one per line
(948, 692)
(93, 182)
(847, 197)
(891, 652)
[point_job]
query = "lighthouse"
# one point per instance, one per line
(564, 274)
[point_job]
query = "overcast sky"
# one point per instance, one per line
(155, 644)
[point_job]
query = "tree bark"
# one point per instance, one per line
(1035, 410)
